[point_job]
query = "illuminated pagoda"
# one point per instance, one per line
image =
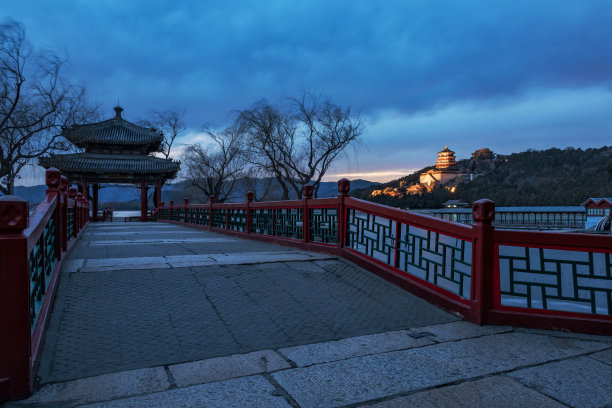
(444, 172)
(116, 151)
(446, 159)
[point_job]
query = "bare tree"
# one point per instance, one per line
(214, 169)
(32, 112)
(171, 123)
(260, 183)
(298, 145)
(270, 135)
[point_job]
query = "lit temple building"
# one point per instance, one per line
(444, 171)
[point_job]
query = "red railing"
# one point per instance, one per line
(33, 248)
(484, 275)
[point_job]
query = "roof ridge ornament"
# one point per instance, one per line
(118, 109)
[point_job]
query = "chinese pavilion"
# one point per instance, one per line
(116, 151)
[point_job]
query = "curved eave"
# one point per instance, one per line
(100, 165)
(115, 131)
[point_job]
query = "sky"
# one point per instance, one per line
(507, 75)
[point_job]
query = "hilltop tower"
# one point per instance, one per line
(444, 172)
(446, 159)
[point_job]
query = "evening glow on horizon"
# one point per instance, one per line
(508, 76)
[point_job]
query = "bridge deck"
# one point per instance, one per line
(166, 315)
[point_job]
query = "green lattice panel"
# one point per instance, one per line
(439, 259)
(324, 225)
(165, 214)
(288, 223)
(219, 218)
(261, 221)
(50, 245)
(191, 215)
(177, 214)
(70, 223)
(237, 220)
(203, 216)
(37, 278)
(371, 235)
(552, 279)
(42, 260)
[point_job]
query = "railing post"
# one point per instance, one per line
(185, 210)
(344, 186)
(160, 212)
(64, 208)
(483, 213)
(249, 197)
(306, 195)
(72, 194)
(171, 208)
(14, 299)
(53, 179)
(212, 201)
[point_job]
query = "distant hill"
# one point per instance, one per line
(126, 197)
(531, 178)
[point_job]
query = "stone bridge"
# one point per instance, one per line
(188, 311)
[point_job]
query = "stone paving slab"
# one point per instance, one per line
(223, 368)
(102, 387)
(365, 378)
(326, 352)
(497, 391)
(604, 356)
(185, 261)
(249, 392)
(157, 241)
(129, 233)
(458, 330)
(579, 382)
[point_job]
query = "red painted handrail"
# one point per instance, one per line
(481, 305)
(20, 233)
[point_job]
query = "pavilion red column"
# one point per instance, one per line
(94, 203)
(158, 188)
(143, 201)
(85, 188)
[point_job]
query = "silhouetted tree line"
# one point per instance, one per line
(531, 178)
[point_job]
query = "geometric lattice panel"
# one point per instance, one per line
(70, 223)
(439, 259)
(261, 221)
(288, 223)
(552, 279)
(324, 225)
(237, 220)
(219, 217)
(371, 235)
(42, 260)
(203, 216)
(191, 215)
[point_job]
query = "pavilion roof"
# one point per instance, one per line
(114, 131)
(107, 166)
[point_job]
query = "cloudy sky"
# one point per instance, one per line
(508, 75)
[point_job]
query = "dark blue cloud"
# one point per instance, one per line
(407, 56)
